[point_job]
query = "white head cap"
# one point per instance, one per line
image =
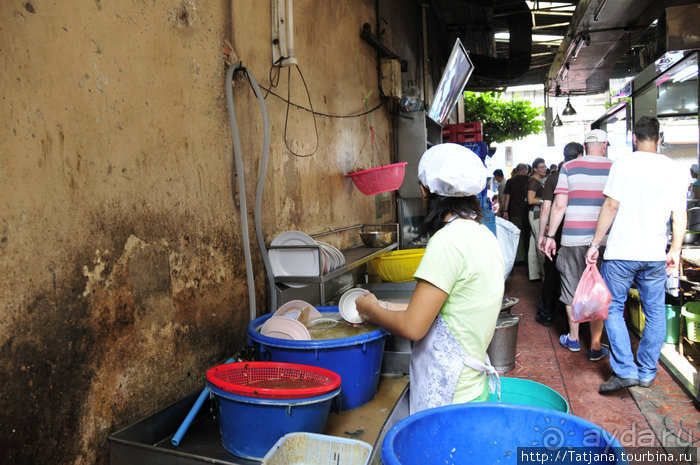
(452, 170)
(596, 135)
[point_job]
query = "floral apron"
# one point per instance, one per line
(436, 364)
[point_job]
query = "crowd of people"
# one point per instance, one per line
(588, 210)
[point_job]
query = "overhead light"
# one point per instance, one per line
(557, 121)
(599, 9)
(568, 109)
(537, 38)
(565, 72)
(580, 42)
(686, 73)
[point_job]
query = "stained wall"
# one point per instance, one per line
(121, 251)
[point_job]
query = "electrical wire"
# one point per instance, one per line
(326, 115)
(274, 82)
(286, 116)
(274, 77)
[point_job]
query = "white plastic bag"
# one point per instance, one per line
(508, 236)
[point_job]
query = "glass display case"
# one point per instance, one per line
(669, 91)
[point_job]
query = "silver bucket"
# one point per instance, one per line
(501, 350)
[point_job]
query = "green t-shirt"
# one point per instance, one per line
(464, 260)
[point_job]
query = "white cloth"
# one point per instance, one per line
(436, 363)
(535, 258)
(508, 236)
(648, 186)
(452, 170)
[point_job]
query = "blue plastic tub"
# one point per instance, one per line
(358, 359)
(251, 426)
(528, 392)
(494, 433)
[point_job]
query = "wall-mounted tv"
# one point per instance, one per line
(457, 72)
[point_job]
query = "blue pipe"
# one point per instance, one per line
(177, 437)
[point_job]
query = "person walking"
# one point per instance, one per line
(515, 207)
(578, 198)
(535, 187)
(551, 288)
(499, 186)
(636, 216)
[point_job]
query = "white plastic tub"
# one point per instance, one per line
(317, 449)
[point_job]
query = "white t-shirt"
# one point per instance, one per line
(648, 186)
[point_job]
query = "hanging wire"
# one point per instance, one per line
(318, 113)
(286, 116)
(274, 82)
(372, 133)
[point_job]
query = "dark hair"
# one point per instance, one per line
(647, 128)
(521, 167)
(537, 161)
(498, 173)
(572, 150)
(439, 207)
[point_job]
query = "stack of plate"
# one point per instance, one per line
(334, 258)
(289, 257)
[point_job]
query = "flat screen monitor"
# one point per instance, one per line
(457, 72)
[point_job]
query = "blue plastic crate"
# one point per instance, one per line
(479, 148)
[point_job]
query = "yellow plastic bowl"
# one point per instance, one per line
(398, 266)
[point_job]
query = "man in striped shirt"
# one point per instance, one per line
(578, 198)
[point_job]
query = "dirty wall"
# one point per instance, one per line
(121, 252)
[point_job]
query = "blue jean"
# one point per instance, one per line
(650, 279)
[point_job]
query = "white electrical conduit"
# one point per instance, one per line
(237, 168)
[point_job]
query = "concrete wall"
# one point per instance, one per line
(121, 254)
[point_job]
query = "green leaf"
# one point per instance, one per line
(503, 120)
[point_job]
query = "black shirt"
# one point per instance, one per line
(516, 187)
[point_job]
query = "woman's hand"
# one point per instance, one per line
(365, 304)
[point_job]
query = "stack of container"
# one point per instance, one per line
(461, 133)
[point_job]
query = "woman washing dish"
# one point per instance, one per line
(453, 311)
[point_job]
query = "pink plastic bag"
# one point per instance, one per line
(592, 297)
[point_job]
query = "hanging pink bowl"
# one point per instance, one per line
(381, 179)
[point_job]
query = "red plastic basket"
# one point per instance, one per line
(377, 180)
(288, 380)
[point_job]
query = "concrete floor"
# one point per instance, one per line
(664, 415)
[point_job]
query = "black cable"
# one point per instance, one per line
(286, 116)
(318, 113)
(274, 80)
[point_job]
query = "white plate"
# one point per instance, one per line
(347, 308)
(292, 309)
(294, 262)
(285, 328)
(330, 265)
(338, 257)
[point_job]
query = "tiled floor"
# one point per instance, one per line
(663, 415)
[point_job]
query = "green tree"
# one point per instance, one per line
(503, 120)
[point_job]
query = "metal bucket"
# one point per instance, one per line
(501, 350)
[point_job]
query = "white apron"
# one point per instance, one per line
(436, 364)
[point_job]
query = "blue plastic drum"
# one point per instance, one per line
(495, 433)
(251, 426)
(357, 359)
